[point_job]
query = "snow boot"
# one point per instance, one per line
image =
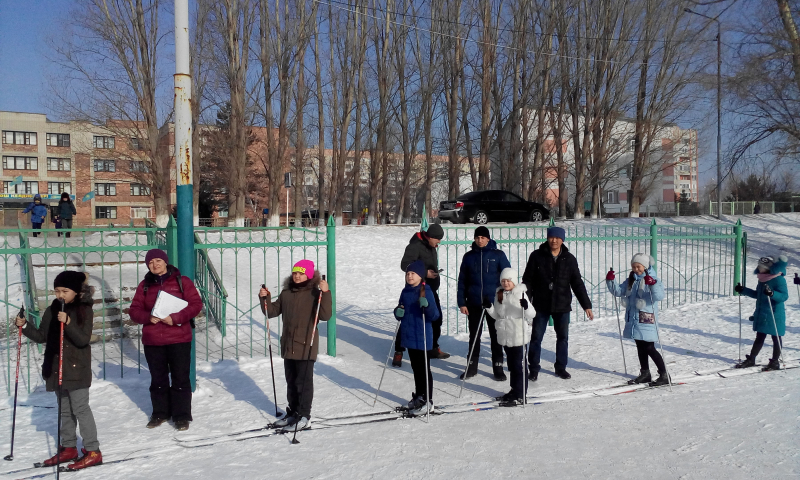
(182, 425)
(66, 453)
(472, 370)
(156, 421)
(746, 363)
(533, 376)
(438, 353)
(423, 408)
(397, 361)
(563, 373)
(663, 379)
(644, 377)
(302, 423)
(774, 364)
(499, 374)
(89, 459)
(289, 418)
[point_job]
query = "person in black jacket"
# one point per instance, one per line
(422, 246)
(549, 275)
(478, 281)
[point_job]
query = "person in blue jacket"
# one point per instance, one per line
(478, 280)
(416, 311)
(38, 213)
(771, 289)
(640, 312)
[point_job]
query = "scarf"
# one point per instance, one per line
(766, 277)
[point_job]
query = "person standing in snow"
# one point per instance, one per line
(299, 302)
(549, 275)
(478, 281)
(422, 246)
(76, 315)
(38, 213)
(771, 290)
(167, 341)
(416, 315)
(66, 209)
(513, 316)
(641, 289)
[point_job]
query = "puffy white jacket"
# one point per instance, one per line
(512, 323)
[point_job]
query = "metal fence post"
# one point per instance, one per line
(654, 243)
(737, 254)
(331, 260)
(172, 240)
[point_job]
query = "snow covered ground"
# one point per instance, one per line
(742, 427)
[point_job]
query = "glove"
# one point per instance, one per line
(499, 297)
(399, 312)
(648, 280)
(610, 275)
(738, 288)
(423, 302)
(523, 303)
(486, 303)
(768, 291)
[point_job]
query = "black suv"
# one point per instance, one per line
(492, 206)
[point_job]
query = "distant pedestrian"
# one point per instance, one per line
(38, 213)
(756, 208)
(66, 209)
(57, 223)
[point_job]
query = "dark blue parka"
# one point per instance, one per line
(411, 333)
(479, 275)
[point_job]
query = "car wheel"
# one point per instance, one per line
(536, 216)
(481, 218)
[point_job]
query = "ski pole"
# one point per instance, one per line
(777, 333)
(271, 365)
(471, 348)
(740, 324)
(10, 456)
(308, 359)
(619, 328)
(427, 367)
(658, 336)
(60, 392)
(386, 364)
(797, 284)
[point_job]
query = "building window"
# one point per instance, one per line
(105, 166)
(57, 188)
(19, 138)
(139, 166)
(103, 142)
(24, 187)
(141, 212)
(105, 189)
(632, 143)
(58, 140)
(137, 144)
(58, 164)
(105, 212)
(137, 189)
(612, 197)
(20, 163)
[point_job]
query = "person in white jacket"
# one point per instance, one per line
(513, 315)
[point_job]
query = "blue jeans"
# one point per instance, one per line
(561, 326)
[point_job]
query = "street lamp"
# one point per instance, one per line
(719, 108)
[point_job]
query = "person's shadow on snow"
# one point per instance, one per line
(242, 386)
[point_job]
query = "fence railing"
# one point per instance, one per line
(695, 262)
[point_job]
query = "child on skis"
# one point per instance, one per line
(771, 290)
(297, 302)
(76, 316)
(513, 316)
(641, 289)
(416, 311)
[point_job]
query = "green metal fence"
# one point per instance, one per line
(695, 262)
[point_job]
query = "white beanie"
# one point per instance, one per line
(643, 259)
(509, 274)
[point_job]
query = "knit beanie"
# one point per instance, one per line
(70, 279)
(155, 253)
(304, 266)
(557, 232)
(482, 232)
(509, 274)
(435, 231)
(418, 267)
(643, 259)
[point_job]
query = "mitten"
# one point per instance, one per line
(399, 312)
(767, 291)
(486, 303)
(423, 302)
(523, 303)
(610, 275)
(738, 288)
(648, 280)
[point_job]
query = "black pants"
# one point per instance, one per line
(516, 370)
(299, 385)
(561, 326)
(164, 361)
(36, 226)
(759, 342)
(437, 328)
(420, 368)
(475, 332)
(648, 349)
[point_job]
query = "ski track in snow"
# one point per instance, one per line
(741, 427)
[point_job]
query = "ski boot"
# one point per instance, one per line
(416, 402)
(302, 423)
(290, 418)
(746, 363)
(423, 408)
(774, 364)
(397, 361)
(644, 377)
(66, 454)
(499, 374)
(663, 379)
(89, 459)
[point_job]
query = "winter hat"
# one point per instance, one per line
(304, 266)
(643, 259)
(773, 265)
(417, 267)
(435, 231)
(557, 232)
(70, 279)
(65, 196)
(482, 232)
(509, 274)
(155, 253)
(37, 197)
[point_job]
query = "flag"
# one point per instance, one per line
(17, 181)
(87, 197)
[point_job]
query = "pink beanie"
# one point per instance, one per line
(304, 266)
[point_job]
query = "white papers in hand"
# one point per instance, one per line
(167, 304)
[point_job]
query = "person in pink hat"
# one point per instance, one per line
(297, 303)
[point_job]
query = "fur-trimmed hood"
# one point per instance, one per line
(313, 282)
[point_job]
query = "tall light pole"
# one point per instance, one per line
(719, 108)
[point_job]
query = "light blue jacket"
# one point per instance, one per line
(762, 317)
(638, 299)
